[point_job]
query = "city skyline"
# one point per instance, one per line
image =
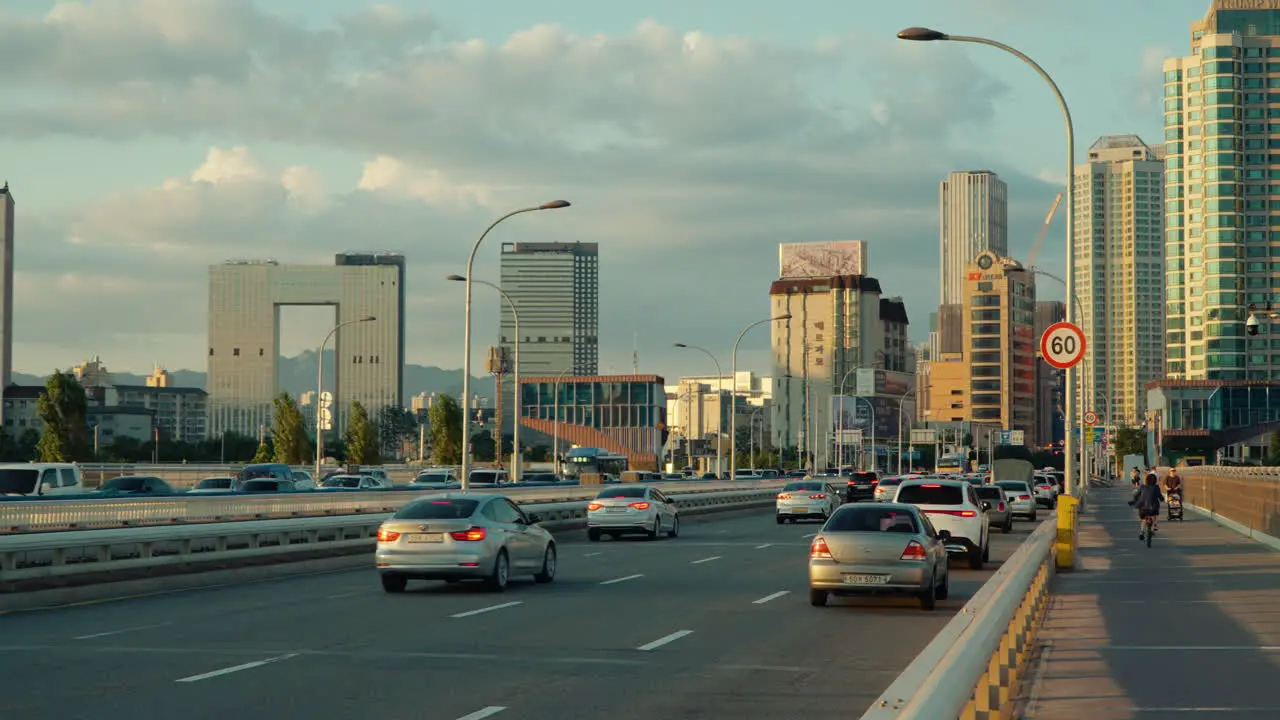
(671, 183)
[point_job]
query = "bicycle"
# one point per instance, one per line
(1148, 529)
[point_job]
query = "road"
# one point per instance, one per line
(713, 624)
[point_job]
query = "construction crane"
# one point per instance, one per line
(1035, 249)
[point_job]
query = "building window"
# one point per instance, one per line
(235, 352)
(261, 352)
(210, 352)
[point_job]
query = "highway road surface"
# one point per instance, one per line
(713, 624)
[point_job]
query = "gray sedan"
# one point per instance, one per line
(879, 549)
(999, 513)
(462, 536)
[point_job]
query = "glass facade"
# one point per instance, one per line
(600, 405)
(1216, 408)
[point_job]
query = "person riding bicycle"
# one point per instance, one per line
(1135, 478)
(1173, 483)
(1147, 502)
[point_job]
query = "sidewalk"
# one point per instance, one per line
(1188, 627)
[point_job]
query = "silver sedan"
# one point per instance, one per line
(462, 536)
(632, 509)
(879, 549)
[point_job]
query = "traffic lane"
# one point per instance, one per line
(337, 592)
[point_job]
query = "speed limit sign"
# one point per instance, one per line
(1062, 345)
(1091, 418)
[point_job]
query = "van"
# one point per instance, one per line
(41, 479)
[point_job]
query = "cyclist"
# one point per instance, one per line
(1135, 478)
(1147, 502)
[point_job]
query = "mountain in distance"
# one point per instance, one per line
(298, 375)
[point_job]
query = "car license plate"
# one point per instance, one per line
(866, 579)
(800, 511)
(426, 537)
(617, 510)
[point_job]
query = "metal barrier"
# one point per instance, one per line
(44, 556)
(53, 514)
(974, 667)
(1249, 497)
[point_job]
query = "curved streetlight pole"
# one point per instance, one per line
(733, 393)
(555, 423)
(905, 395)
(719, 405)
(320, 387)
(926, 34)
(840, 423)
(466, 336)
(516, 461)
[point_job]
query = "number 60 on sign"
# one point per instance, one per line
(1062, 345)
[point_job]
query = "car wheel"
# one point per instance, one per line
(593, 535)
(779, 519)
(975, 559)
(548, 572)
(675, 527)
(818, 598)
(497, 580)
(653, 532)
(394, 583)
(1034, 515)
(1008, 526)
(986, 553)
(929, 596)
(944, 590)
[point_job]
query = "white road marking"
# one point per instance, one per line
(773, 596)
(120, 631)
(483, 610)
(665, 640)
(624, 578)
(761, 547)
(720, 532)
(593, 554)
(235, 668)
(704, 560)
(483, 713)
(346, 594)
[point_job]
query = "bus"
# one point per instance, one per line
(594, 460)
(954, 463)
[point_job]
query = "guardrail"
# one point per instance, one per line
(95, 555)
(974, 667)
(43, 515)
(1247, 497)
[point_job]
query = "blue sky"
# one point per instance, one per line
(105, 117)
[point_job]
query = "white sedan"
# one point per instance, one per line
(632, 509)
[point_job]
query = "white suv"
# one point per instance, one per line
(954, 506)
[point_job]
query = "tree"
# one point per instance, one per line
(361, 437)
(289, 432)
(1130, 441)
(482, 446)
(395, 425)
(265, 453)
(62, 409)
(444, 421)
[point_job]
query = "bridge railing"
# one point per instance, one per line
(1247, 496)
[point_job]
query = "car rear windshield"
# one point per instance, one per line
(1016, 485)
(438, 510)
(862, 477)
(432, 477)
(342, 481)
(18, 482)
(890, 481)
(622, 492)
(124, 483)
(214, 483)
(868, 518)
(987, 492)
(929, 494)
(802, 486)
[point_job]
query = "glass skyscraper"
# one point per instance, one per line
(556, 290)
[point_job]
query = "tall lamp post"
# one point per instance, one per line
(515, 372)
(905, 395)
(466, 336)
(555, 423)
(320, 387)
(1074, 409)
(719, 406)
(840, 423)
(733, 393)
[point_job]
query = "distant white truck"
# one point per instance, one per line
(41, 479)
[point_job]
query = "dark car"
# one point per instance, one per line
(135, 485)
(861, 486)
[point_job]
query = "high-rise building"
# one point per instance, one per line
(245, 298)
(6, 287)
(1050, 381)
(1221, 126)
(556, 289)
(1119, 274)
(973, 216)
(992, 380)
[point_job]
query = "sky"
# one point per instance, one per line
(144, 140)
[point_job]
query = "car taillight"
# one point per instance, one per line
(819, 496)
(474, 534)
(640, 505)
(819, 549)
(594, 506)
(914, 551)
(784, 496)
(874, 483)
(957, 513)
(385, 535)
(1000, 507)
(1024, 497)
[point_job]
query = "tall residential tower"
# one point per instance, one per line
(6, 288)
(974, 217)
(1120, 273)
(556, 289)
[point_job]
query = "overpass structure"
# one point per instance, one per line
(222, 606)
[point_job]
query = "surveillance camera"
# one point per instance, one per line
(1251, 325)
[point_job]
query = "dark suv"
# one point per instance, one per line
(862, 486)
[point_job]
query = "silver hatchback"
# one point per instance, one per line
(462, 536)
(879, 549)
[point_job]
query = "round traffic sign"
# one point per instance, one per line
(1090, 418)
(1062, 345)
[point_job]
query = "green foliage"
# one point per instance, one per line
(395, 426)
(289, 432)
(20, 449)
(1129, 441)
(361, 438)
(482, 446)
(265, 453)
(444, 421)
(62, 409)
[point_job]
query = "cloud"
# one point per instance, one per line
(687, 155)
(1146, 87)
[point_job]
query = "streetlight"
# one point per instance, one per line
(905, 395)
(555, 424)
(320, 388)
(927, 35)
(515, 364)
(840, 423)
(466, 336)
(719, 406)
(733, 394)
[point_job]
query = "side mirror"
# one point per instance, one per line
(531, 519)
(944, 535)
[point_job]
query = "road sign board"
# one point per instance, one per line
(1062, 345)
(1017, 437)
(1088, 435)
(1090, 418)
(1006, 437)
(849, 437)
(924, 437)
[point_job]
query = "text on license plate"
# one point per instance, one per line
(426, 537)
(800, 511)
(615, 509)
(859, 579)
